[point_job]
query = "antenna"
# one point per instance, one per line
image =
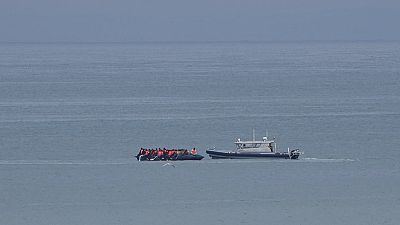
(254, 135)
(266, 133)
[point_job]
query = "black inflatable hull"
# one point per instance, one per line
(251, 155)
(177, 158)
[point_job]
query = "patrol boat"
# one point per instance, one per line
(254, 149)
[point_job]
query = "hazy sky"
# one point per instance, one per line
(198, 20)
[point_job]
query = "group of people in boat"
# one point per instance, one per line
(163, 154)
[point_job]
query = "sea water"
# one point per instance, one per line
(73, 115)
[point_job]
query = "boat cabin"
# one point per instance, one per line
(265, 145)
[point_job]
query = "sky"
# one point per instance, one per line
(197, 20)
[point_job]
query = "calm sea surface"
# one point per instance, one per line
(72, 116)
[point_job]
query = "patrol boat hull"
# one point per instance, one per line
(294, 154)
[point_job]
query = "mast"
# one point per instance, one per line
(254, 135)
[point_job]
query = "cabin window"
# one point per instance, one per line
(250, 145)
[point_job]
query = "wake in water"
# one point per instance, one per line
(66, 162)
(130, 161)
(223, 161)
(328, 160)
